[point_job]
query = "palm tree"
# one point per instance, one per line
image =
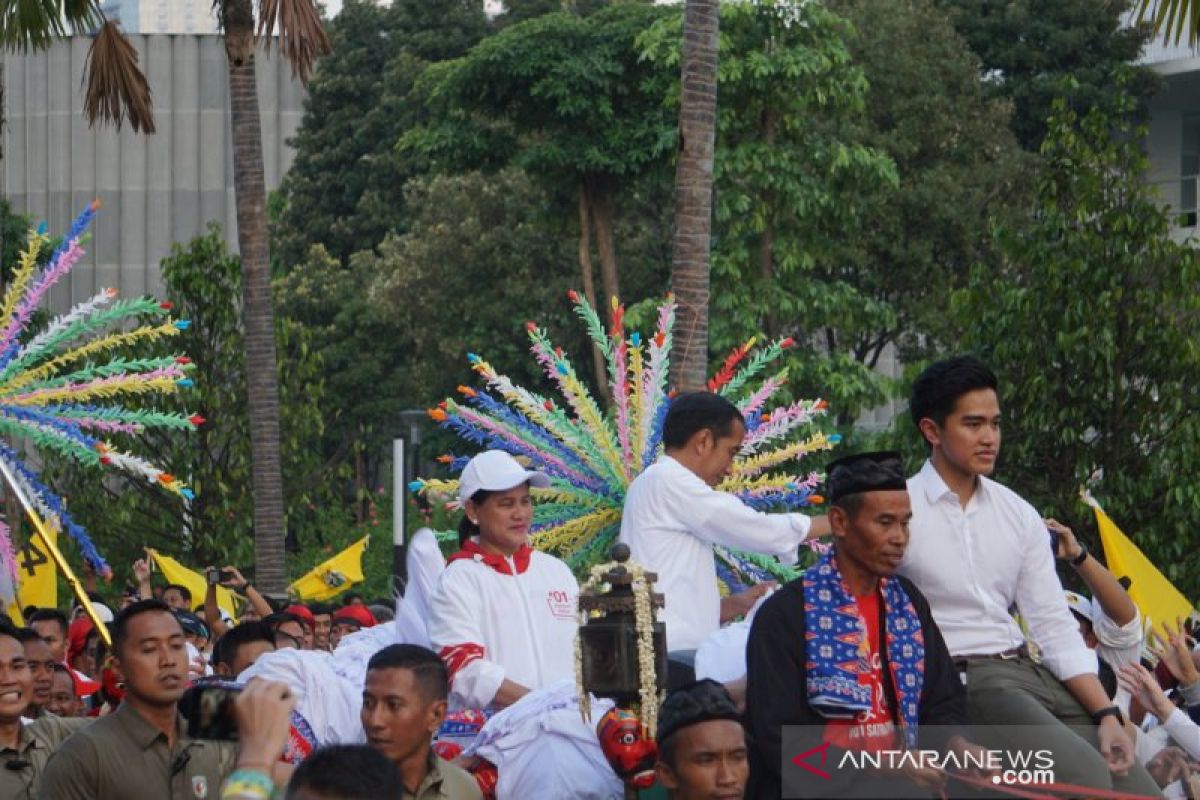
(116, 87)
(1172, 19)
(302, 41)
(693, 192)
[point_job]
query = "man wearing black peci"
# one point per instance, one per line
(851, 653)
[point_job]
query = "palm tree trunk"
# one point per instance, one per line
(693, 193)
(588, 276)
(257, 312)
(600, 197)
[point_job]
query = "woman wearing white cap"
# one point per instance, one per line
(503, 614)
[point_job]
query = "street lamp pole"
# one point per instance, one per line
(404, 460)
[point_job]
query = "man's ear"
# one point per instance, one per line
(112, 662)
(437, 715)
(666, 775)
(838, 521)
(931, 431)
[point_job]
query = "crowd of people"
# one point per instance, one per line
(935, 619)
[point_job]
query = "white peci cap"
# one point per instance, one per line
(1080, 605)
(103, 612)
(496, 471)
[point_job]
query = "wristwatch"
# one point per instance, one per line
(1111, 711)
(1082, 557)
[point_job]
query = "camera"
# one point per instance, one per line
(216, 577)
(208, 709)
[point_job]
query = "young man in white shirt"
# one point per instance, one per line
(674, 516)
(976, 549)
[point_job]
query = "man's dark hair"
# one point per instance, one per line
(184, 592)
(280, 617)
(937, 389)
(426, 666)
(693, 412)
(225, 650)
(10, 630)
(28, 635)
(119, 629)
(702, 701)
(50, 614)
(350, 597)
(320, 608)
(347, 772)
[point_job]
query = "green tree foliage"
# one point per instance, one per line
(786, 175)
(344, 190)
(204, 282)
(1092, 323)
(1029, 46)
(959, 171)
(568, 99)
(496, 224)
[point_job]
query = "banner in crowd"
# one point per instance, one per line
(175, 572)
(1156, 596)
(37, 578)
(332, 577)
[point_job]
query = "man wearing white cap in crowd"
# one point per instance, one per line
(1109, 622)
(503, 614)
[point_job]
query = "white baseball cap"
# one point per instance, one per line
(496, 471)
(1080, 605)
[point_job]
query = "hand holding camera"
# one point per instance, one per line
(228, 577)
(263, 714)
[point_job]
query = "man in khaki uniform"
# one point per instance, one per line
(24, 749)
(404, 703)
(141, 750)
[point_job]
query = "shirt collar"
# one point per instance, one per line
(139, 728)
(433, 774)
(473, 552)
(931, 482)
(936, 489)
(25, 740)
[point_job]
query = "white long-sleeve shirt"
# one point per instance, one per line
(671, 522)
(493, 618)
(974, 563)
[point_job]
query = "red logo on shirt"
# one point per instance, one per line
(562, 605)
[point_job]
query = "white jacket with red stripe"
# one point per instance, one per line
(493, 618)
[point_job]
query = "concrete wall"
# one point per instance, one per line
(156, 190)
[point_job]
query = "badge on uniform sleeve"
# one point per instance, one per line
(199, 787)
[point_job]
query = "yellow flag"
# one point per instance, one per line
(334, 576)
(1156, 596)
(37, 581)
(175, 572)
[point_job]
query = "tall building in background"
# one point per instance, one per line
(156, 190)
(162, 16)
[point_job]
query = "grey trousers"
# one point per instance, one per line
(1022, 692)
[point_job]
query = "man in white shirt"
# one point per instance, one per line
(977, 549)
(674, 516)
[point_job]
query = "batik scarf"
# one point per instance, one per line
(839, 652)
